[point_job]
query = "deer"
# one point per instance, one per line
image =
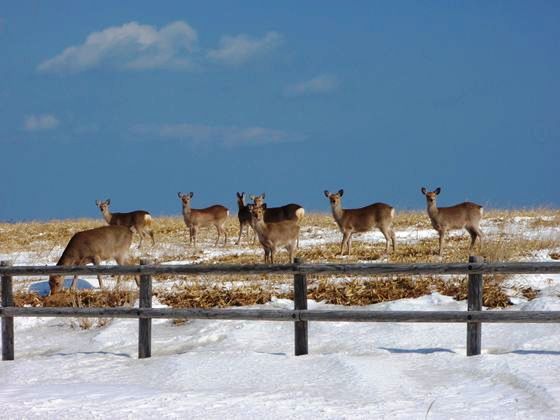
(291, 211)
(349, 221)
(141, 220)
(274, 235)
(93, 246)
(215, 215)
(244, 216)
(465, 215)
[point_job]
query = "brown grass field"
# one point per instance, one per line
(43, 242)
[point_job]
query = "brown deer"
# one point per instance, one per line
(293, 212)
(274, 235)
(349, 221)
(141, 220)
(93, 246)
(215, 215)
(244, 216)
(466, 215)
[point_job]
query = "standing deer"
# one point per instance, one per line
(215, 215)
(141, 220)
(466, 215)
(93, 246)
(244, 216)
(293, 212)
(274, 235)
(379, 215)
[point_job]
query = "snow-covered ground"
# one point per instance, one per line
(246, 369)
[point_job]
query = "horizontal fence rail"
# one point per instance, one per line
(292, 315)
(301, 316)
(373, 269)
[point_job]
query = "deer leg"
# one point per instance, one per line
(349, 243)
(441, 241)
(225, 234)
(151, 232)
(240, 232)
(97, 261)
(386, 234)
(193, 236)
(393, 240)
(479, 234)
(219, 231)
(474, 232)
(74, 283)
(141, 235)
(290, 249)
(345, 237)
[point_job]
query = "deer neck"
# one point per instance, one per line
(337, 212)
(187, 210)
(107, 215)
(433, 210)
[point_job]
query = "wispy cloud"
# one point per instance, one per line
(199, 134)
(323, 83)
(130, 46)
(40, 122)
(236, 50)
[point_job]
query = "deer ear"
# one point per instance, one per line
(340, 192)
(263, 206)
(108, 201)
(191, 194)
(252, 197)
(180, 195)
(326, 193)
(423, 190)
(238, 195)
(97, 203)
(262, 195)
(437, 190)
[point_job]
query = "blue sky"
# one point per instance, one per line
(135, 101)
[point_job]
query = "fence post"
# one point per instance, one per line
(300, 302)
(7, 321)
(474, 303)
(145, 324)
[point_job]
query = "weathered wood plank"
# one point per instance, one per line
(474, 303)
(7, 321)
(145, 324)
(499, 316)
(300, 303)
(370, 268)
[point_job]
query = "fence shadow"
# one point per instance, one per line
(428, 350)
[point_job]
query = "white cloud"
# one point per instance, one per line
(235, 50)
(323, 83)
(40, 122)
(225, 136)
(130, 46)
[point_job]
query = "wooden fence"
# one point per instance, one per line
(300, 315)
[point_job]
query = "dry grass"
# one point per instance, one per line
(49, 238)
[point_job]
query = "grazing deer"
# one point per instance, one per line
(274, 235)
(93, 246)
(466, 215)
(215, 215)
(379, 215)
(244, 216)
(141, 220)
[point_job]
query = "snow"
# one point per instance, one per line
(246, 369)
